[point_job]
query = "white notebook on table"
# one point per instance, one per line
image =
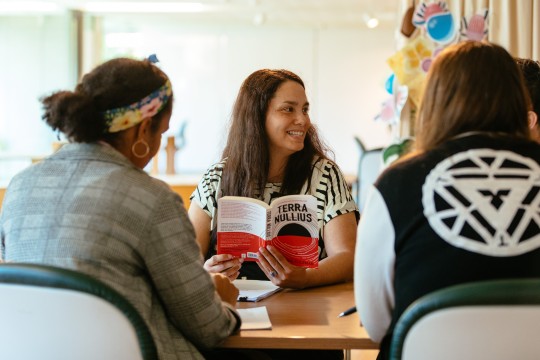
(255, 290)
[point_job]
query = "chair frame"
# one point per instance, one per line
(507, 292)
(35, 275)
(360, 178)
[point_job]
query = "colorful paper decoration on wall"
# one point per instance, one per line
(476, 28)
(436, 29)
(407, 26)
(440, 28)
(409, 65)
(391, 108)
(436, 20)
(389, 84)
(424, 11)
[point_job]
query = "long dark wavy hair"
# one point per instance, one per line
(247, 150)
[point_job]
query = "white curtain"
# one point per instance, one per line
(515, 24)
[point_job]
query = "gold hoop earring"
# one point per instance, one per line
(146, 151)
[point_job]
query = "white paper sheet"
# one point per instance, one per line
(254, 290)
(255, 318)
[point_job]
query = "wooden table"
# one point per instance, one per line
(307, 319)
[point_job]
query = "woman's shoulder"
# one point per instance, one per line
(322, 164)
(139, 186)
(326, 175)
(215, 170)
(209, 184)
(326, 168)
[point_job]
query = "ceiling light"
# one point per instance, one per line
(370, 21)
(143, 7)
(14, 7)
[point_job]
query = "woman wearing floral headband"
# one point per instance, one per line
(91, 207)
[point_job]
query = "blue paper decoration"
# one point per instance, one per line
(440, 28)
(389, 85)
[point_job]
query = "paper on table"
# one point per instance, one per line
(254, 290)
(255, 318)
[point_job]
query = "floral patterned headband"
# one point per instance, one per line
(127, 116)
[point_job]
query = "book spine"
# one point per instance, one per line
(268, 225)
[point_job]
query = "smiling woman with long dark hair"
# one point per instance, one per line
(272, 150)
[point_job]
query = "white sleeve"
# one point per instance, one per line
(374, 267)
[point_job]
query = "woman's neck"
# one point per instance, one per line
(276, 170)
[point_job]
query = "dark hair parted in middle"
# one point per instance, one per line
(247, 149)
(472, 86)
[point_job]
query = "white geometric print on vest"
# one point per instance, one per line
(485, 201)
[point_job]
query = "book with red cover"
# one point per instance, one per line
(289, 224)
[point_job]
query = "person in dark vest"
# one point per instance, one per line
(463, 206)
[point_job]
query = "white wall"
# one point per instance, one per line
(344, 70)
(351, 75)
(36, 59)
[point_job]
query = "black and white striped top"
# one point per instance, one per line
(327, 184)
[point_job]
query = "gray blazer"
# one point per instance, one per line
(89, 208)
